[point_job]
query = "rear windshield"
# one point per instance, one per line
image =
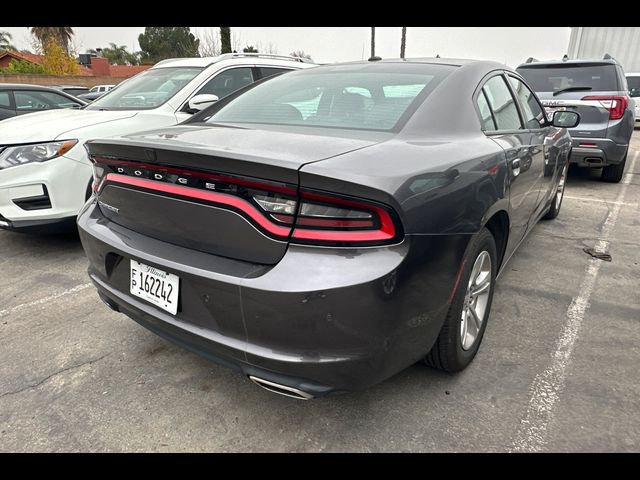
(370, 100)
(560, 77)
(634, 85)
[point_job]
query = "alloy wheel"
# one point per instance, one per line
(476, 300)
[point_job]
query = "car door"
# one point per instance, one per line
(503, 123)
(7, 109)
(541, 141)
(221, 84)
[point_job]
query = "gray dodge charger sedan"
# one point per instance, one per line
(325, 229)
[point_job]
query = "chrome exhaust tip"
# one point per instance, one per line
(280, 389)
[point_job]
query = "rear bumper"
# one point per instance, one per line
(603, 152)
(321, 320)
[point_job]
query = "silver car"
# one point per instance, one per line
(597, 89)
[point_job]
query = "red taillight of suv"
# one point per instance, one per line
(616, 105)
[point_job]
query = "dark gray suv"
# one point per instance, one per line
(597, 89)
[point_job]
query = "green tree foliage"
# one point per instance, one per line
(250, 49)
(5, 41)
(158, 43)
(60, 35)
(118, 55)
(22, 66)
(225, 39)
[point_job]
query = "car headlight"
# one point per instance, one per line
(39, 152)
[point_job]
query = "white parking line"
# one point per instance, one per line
(545, 389)
(600, 200)
(77, 288)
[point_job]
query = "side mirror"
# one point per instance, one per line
(634, 92)
(565, 119)
(202, 101)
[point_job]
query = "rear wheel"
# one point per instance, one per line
(613, 173)
(466, 321)
(556, 201)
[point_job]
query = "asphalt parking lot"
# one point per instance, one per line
(557, 370)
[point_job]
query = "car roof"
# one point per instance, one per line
(204, 62)
(388, 63)
(27, 86)
(632, 74)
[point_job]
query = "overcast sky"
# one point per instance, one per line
(510, 45)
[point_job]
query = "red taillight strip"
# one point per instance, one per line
(191, 173)
(214, 197)
(342, 236)
(324, 222)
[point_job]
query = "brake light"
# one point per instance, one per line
(334, 220)
(614, 104)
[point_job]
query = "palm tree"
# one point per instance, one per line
(403, 42)
(60, 35)
(5, 41)
(225, 39)
(118, 55)
(373, 42)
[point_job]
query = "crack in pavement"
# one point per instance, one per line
(59, 372)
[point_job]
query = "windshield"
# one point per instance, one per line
(146, 90)
(339, 99)
(560, 77)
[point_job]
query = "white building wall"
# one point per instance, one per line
(622, 43)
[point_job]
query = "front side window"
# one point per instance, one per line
(502, 104)
(534, 116)
(33, 100)
(227, 82)
(149, 89)
(633, 83)
(374, 100)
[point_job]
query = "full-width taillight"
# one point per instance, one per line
(278, 210)
(614, 104)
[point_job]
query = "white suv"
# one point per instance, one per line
(633, 83)
(45, 175)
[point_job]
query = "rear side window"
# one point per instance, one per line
(561, 77)
(485, 113)
(269, 71)
(5, 101)
(502, 104)
(534, 116)
(227, 82)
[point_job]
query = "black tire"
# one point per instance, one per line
(555, 207)
(613, 173)
(447, 353)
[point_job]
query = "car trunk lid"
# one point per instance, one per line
(204, 188)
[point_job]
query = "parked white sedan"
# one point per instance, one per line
(45, 175)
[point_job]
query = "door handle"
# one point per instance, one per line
(515, 166)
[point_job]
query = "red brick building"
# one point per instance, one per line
(99, 66)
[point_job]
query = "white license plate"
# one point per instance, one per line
(155, 286)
